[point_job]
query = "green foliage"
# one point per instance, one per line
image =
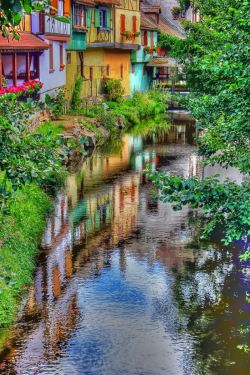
(25, 156)
(140, 107)
(76, 95)
(57, 103)
(20, 233)
(114, 90)
(222, 204)
(216, 61)
(93, 128)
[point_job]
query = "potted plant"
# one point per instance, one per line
(127, 34)
(146, 49)
(136, 34)
(176, 11)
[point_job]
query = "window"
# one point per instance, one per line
(108, 70)
(145, 38)
(121, 71)
(51, 58)
(133, 68)
(68, 58)
(61, 57)
(79, 16)
(60, 8)
(103, 18)
(144, 71)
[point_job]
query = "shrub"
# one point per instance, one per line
(114, 90)
(56, 104)
(76, 95)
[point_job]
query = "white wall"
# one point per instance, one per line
(57, 79)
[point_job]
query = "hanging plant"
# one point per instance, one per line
(176, 12)
(127, 34)
(150, 50)
(136, 34)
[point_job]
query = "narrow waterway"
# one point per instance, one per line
(123, 286)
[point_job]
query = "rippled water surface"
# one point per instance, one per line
(122, 284)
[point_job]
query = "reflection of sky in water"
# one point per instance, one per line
(118, 322)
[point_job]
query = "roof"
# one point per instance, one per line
(167, 27)
(89, 2)
(151, 9)
(162, 62)
(166, 22)
(112, 2)
(26, 42)
(148, 23)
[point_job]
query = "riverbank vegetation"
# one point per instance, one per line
(215, 56)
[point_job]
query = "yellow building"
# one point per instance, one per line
(111, 29)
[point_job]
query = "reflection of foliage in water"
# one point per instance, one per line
(205, 294)
(155, 127)
(113, 146)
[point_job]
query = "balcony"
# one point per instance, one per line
(53, 26)
(50, 27)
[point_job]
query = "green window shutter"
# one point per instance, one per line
(97, 18)
(88, 18)
(108, 18)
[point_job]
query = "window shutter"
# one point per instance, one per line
(88, 18)
(97, 18)
(66, 11)
(54, 4)
(134, 24)
(108, 18)
(122, 23)
(152, 39)
(145, 38)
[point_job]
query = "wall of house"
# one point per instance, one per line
(56, 79)
(72, 70)
(141, 78)
(116, 58)
(93, 58)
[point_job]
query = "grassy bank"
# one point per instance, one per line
(20, 234)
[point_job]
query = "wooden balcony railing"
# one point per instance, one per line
(53, 26)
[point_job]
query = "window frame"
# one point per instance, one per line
(103, 18)
(79, 14)
(51, 57)
(61, 55)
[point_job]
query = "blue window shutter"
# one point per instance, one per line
(97, 18)
(88, 18)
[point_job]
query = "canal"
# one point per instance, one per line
(123, 285)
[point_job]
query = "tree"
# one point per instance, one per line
(216, 57)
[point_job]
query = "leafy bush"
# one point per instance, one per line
(57, 103)
(20, 233)
(25, 156)
(141, 106)
(114, 90)
(76, 95)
